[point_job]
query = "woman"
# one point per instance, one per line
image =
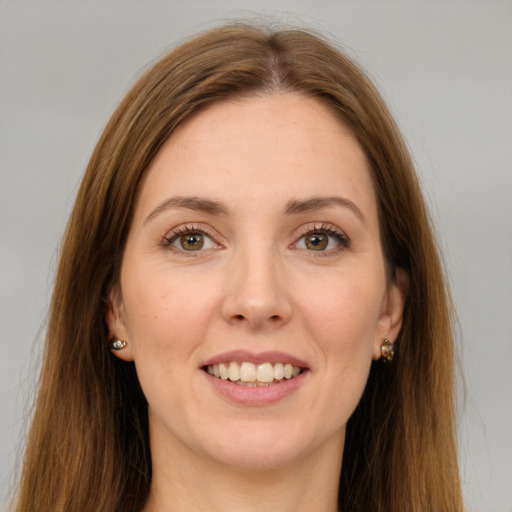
(248, 249)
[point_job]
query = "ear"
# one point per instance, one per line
(116, 322)
(390, 321)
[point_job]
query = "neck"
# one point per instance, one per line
(194, 482)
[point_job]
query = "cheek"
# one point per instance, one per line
(166, 312)
(343, 322)
(341, 319)
(167, 318)
(344, 314)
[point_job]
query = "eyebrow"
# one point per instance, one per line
(297, 206)
(189, 202)
(293, 207)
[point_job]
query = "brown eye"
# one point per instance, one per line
(324, 239)
(316, 241)
(192, 241)
(189, 239)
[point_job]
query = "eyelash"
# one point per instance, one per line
(329, 230)
(188, 229)
(322, 229)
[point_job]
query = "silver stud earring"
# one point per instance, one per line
(387, 350)
(118, 345)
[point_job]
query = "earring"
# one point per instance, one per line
(387, 350)
(117, 345)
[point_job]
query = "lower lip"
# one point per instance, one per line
(256, 395)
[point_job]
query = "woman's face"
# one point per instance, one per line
(254, 253)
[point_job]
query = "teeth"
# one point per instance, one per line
(233, 372)
(253, 384)
(278, 371)
(265, 373)
(223, 371)
(249, 374)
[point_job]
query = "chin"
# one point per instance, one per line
(261, 446)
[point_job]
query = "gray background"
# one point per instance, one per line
(445, 68)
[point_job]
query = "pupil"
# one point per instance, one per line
(192, 242)
(316, 242)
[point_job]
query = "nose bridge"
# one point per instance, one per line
(256, 291)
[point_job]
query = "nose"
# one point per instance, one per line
(256, 292)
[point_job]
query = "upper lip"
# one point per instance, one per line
(256, 358)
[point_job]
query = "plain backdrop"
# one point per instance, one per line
(445, 68)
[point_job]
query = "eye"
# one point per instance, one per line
(316, 241)
(189, 239)
(191, 242)
(323, 239)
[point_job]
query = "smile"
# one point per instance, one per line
(251, 375)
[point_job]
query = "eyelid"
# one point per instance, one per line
(323, 228)
(304, 230)
(183, 229)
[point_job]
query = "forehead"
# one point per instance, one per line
(260, 149)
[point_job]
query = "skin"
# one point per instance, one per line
(256, 286)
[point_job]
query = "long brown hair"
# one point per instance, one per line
(88, 447)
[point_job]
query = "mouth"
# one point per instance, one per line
(249, 374)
